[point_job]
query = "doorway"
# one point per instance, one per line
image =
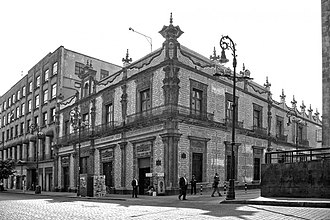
(107, 171)
(144, 182)
(197, 166)
(66, 178)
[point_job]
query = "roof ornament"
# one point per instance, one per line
(170, 32)
(214, 57)
(127, 60)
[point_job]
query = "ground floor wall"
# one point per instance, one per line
(157, 158)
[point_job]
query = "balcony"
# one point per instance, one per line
(169, 111)
(282, 137)
(229, 123)
(259, 130)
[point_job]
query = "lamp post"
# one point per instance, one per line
(36, 128)
(293, 113)
(149, 39)
(77, 124)
(227, 43)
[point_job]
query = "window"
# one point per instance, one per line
(53, 91)
(14, 98)
(109, 113)
(36, 120)
(230, 107)
(86, 90)
(66, 127)
(23, 109)
(83, 164)
(85, 119)
(37, 101)
(23, 91)
(145, 100)
(28, 124)
(257, 155)
(18, 95)
(30, 105)
(46, 75)
(55, 68)
(52, 114)
(104, 73)
(4, 105)
(38, 81)
(279, 126)
(17, 112)
(44, 118)
(11, 133)
(30, 87)
(8, 118)
(257, 116)
(16, 130)
(51, 142)
(22, 128)
(196, 101)
(45, 96)
(228, 152)
(4, 120)
(79, 67)
(9, 101)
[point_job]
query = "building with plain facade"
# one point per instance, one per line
(32, 103)
(167, 115)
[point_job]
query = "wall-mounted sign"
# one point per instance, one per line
(107, 155)
(148, 174)
(65, 161)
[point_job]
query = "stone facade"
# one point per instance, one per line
(167, 115)
(326, 72)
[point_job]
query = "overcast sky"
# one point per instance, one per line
(280, 39)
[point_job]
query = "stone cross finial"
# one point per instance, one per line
(294, 102)
(282, 96)
(171, 19)
(127, 60)
(303, 106)
(267, 84)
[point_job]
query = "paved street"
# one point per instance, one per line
(29, 206)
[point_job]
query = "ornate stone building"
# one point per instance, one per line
(166, 115)
(32, 103)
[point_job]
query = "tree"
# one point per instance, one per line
(6, 169)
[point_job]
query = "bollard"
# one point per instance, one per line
(245, 187)
(224, 188)
(201, 189)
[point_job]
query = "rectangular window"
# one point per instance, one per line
(85, 120)
(18, 95)
(11, 133)
(14, 98)
(52, 114)
(46, 75)
(279, 126)
(51, 142)
(37, 101)
(55, 68)
(23, 91)
(22, 128)
(53, 91)
(44, 118)
(9, 101)
(83, 164)
(145, 100)
(16, 130)
(109, 114)
(17, 112)
(30, 87)
(5, 105)
(36, 120)
(66, 127)
(79, 68)
(230, 107)
(257, 116)
(30, 105)
(104, 73)
(257, 155)
(196, 101)
(28, 124)
(38, 81)
(4, 120)
(45, 96)
(23, 109)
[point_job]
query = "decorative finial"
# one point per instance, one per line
(214, 57)
(293, 102)
(171, 19)
(317, 113)
(127, 60)
(303, 106)
(310, 110)
(90, 64)
(282, 96)
(267, 84)
(243, 67)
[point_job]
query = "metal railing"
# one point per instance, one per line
(297, 155)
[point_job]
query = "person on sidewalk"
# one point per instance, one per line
(193, 182)
(135, 185)
(183, 183)
(215, 185)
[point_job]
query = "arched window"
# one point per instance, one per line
(86, 88)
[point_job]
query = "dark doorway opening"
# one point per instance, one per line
(197, 166)
(66, 178)
(144, 182)
(107, 171)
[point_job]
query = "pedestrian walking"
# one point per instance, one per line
(183, 183)
(135, 185)
(193, 182)
(215, 185)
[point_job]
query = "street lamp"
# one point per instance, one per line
(293, 113)
(227, 43)
(36, 128)
(77, 124)
(149, 39)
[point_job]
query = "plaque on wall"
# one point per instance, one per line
(143, 149)
(65, 161)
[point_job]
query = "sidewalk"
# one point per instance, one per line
(251, 197)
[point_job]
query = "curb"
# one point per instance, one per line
(280, 203)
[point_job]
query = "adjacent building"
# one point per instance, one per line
(28, 114)
(167, 115)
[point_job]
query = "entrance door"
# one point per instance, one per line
(66, 178)
(197, 166)
(144, 167)
(107, 171)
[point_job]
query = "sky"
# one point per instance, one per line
(281, 39)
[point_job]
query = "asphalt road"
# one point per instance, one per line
(24, 206)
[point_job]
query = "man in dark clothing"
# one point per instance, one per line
(215, 185)
(135, 185)
(193, 182)
(183, 183)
